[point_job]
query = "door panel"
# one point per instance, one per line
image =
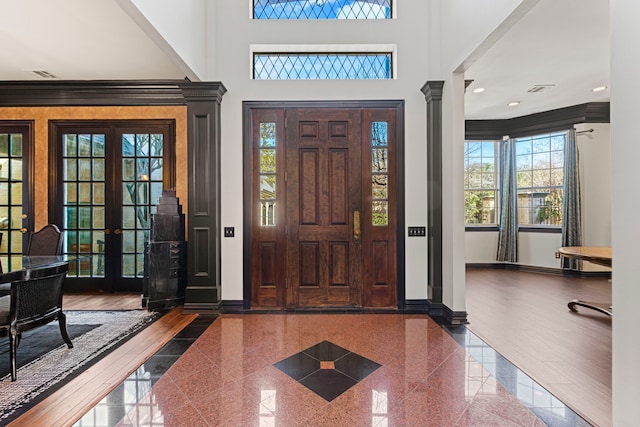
(323, 187)
(323, 198)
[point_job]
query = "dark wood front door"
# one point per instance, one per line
(323, 207)
(324, 204)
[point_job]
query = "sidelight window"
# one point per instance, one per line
(268, 173)
(379, 173)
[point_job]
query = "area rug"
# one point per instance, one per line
(94, 334)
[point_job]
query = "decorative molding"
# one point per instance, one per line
(545, 122)
(454, 318)
(94, 93)
(433, 94)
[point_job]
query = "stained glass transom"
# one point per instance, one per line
(322, 66)
(321, 9)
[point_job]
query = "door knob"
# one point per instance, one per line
(23, 230)
(117, 231)
(107, 231)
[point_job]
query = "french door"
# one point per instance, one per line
(110, 176)
(16, 186)
(323, 207)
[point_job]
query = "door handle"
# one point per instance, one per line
(356, 226)
(107, 231)
(117, 231)
(23, 230)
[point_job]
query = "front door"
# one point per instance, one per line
(323, 208)
(111, 175)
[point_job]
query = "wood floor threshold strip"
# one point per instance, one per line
(65, 407)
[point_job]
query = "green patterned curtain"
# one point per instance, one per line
(508, 227)
(571, 206)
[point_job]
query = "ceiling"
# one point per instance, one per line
(561, 46)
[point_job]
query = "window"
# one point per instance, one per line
(540, 172)
(480, 182)
(321, 9)
(322, 66)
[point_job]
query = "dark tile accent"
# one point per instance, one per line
(298, 366)
(349, 369)
(356, 366)
(328, 383)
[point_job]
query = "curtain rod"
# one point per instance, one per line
(584, 131)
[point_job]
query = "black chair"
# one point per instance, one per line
(45, 242)
(34, 301)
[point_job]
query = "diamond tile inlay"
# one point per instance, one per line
(327, 369)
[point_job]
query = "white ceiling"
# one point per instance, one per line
(560, 43)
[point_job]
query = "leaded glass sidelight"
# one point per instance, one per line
(267, 175)
(379, 173)
(324, 9)
(83, 166)
(142, 173)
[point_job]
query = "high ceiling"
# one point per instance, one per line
(561, 48)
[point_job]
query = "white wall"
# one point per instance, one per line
(538, 249)
(178, 28)
(237, 32)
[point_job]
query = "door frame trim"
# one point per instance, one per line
(247, 109)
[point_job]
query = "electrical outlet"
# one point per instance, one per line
(417, 231)
(557, 255)
(229, 231)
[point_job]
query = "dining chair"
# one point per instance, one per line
(34, 301)
(45, 242)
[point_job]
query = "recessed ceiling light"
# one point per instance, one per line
(513, 104)
(478, 90)
(599, 88)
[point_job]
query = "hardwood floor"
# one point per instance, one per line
(524, 316)
(70, 403)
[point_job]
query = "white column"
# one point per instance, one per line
(625, 156)
(453, 244)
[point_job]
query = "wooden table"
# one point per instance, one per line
(595, 254)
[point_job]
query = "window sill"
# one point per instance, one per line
(488, 227)
(530, 229)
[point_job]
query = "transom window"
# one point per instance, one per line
(480, 182)
(321, 66)
(321, 9)
(540, 172)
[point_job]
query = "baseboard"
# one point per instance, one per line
(232, 306)
(543, 270)
(202, 308)
(416, 306)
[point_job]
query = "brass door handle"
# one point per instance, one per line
(117, 231)
(356, 226)
(107, 231)
(23, 230)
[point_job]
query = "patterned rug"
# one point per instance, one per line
(94, 334)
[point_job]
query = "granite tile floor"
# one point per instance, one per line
(328, 370)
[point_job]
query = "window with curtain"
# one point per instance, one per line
(540, 170)
(480, 182)
(540, 179)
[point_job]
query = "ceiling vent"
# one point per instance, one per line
(540, 88)
(43, 74)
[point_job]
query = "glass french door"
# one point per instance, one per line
(16, 206)
(112, 179)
